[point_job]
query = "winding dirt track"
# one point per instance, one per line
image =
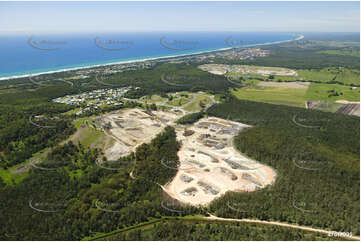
(212, 217)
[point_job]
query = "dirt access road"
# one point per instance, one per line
(212, 217)
(294, 226)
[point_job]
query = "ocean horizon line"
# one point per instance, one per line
(116, 62)
(28, 33)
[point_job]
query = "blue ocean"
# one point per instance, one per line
(32, 54)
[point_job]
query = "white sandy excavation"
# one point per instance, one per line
(210, 166)
(221, 69)
(133, 127)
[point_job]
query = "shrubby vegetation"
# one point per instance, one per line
(219, 231)
(19, 138)
(164, 78)
(190, 118)
(300, 55)
(77, 187)
(329, 192)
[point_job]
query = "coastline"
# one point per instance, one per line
(148, 59)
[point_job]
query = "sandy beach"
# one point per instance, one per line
(147, 59)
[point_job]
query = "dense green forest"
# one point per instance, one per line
(79, 198)
(190, 118)
(19, 137)
(316, 160)
(164, 78)
(219, 231)
(315, 155)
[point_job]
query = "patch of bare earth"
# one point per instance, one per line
(216, 69)
(133, 127)
(349, 108)
(298, 85)
(221, 69)
(27, 166)
(210, 166)
(311, 104)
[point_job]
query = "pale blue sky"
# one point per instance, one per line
(36, 17)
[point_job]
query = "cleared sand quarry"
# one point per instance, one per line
(221, 69)
(210, 166)
(132, 127)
